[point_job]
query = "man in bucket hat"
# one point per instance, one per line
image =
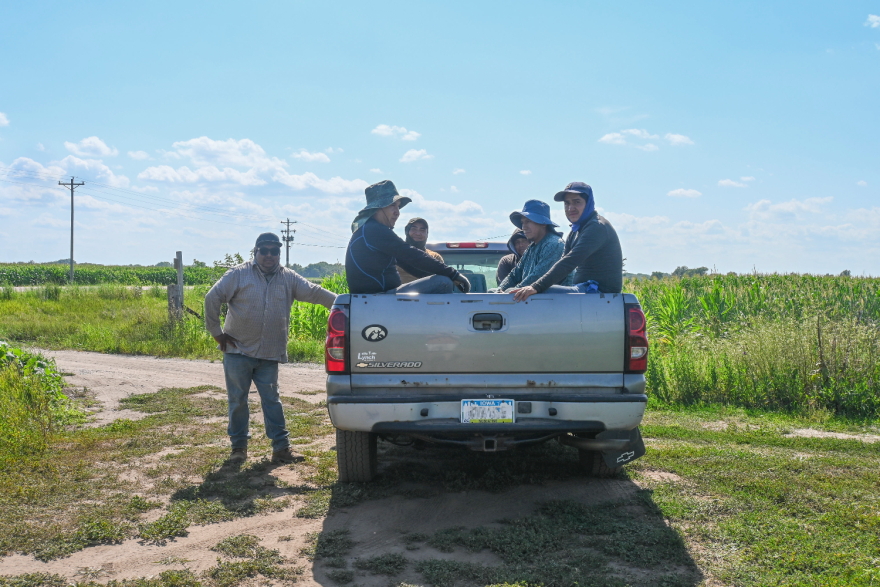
(592, 250)
(374, 251)
(545, 250)
(258, 295)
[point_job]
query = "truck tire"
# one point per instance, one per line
(595, 465)
(356, 456)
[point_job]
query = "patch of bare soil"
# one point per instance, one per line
(113, 377)
(133, 558)
(661, 476)
(811, 433)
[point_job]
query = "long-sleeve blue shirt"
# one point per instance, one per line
(373, 254)
(535, 262)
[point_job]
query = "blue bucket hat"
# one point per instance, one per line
(536, 211)
(575, 187)
(378, 195)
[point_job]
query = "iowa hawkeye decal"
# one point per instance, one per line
(390, 365)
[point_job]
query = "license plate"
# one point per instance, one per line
(487, 411)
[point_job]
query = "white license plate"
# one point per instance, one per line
(487, 411)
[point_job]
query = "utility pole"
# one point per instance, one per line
(288, 238)
(72, 187)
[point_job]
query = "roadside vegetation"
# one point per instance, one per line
(797, 343)
(120, 319)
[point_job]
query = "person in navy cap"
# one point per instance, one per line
(374, 251)
(545, 249)
(592, 250)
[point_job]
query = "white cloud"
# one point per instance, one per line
(331, 150)
(640, 133)
(385, 130)
(613, 138)
(415, 155)
(729, 183)
(96, 170)
(525, 172)
(138, 155)
(311, 157)
(648, 147)
(335, 185)
(4, 121)
(40, 147)
(747, 178)
(683, 193)
(242, 153)
(453, 189)
(873, 21)
(862, 183)
(457, 171)
(792, 210)
(208, 173)
(91, 147)
(678, 140)
(422, 203)
(375, 170)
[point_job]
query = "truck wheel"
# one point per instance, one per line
(594, 463)
(356, 456)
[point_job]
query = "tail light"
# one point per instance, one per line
(335, 345)
(636, 340)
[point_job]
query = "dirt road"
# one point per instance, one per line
(110, 378)
(419, 495)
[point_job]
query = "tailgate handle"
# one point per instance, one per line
(487, 321)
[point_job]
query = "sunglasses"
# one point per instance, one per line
(267, 251)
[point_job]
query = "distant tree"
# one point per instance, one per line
(197, 263)
(685, 271)
(296, 267)
(229, 261)
(164, 264)
(658, 275)
(321, 269)
(846, 273)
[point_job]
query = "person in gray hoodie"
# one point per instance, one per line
(517, 245)
(592, 250)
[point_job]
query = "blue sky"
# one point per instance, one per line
(739, 136)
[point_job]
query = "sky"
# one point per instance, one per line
(739, 136)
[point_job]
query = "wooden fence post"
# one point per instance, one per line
(175, 291)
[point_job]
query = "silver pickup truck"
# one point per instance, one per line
(482, 372)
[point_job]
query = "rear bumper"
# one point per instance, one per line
(549, 415)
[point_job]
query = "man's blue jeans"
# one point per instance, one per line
(240, 370)
(586, 287)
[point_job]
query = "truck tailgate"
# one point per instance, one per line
(486, 333)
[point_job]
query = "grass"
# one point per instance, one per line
(724, 495)
(77, 494)
(117, 319)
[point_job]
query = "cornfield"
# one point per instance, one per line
(33, 275)
(790, 342)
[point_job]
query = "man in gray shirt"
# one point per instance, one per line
(258, 295)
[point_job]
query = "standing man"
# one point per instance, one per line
(258, 295)
(374, 251)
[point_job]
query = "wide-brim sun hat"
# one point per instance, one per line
(379, 195)
(536, 211)
(576, 187)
